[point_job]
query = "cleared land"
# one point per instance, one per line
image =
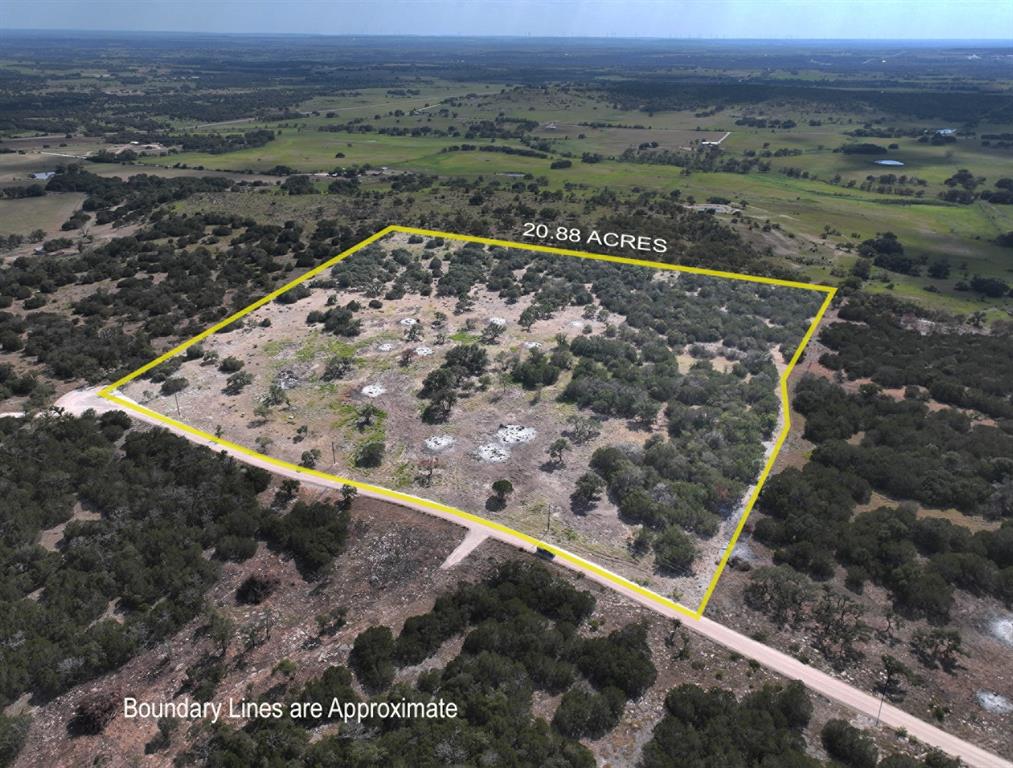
(662, 386)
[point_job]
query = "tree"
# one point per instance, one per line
(275, 395)
(674, 551)
(491, 333)
(94, 713)
(588, 714)
(780, 592)
(299, 185)
(256, 588)
(937, 646)
(556, 449)
(939, 269)
(849, 745)
(862, 268)
(621, 660)
(371, 454)
(310, 458)
(837, 625)
(502, 489)
(230, 365)
(314, 533)
(467, 360)
(427, 467)
(236, 382)
(13, 732)
(588, 490)
(348, 494)
(366, 416)
(220, 629)
(173, 385)
(372, 658)
(894, 672)
(583, 428)
(528, 317)
(441, 404)
(287, 491)
(337, 368)
(794, 703)
(646, 411)
(993, 287)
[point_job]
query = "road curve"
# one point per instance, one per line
(837, 690)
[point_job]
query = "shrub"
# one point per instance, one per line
(372, 658)
(849, 745)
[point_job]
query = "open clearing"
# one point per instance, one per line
(355, 398)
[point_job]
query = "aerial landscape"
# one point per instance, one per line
(427, 393)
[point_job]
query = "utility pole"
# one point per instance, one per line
(882, 697)
(178, 414)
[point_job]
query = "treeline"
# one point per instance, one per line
(160, 504)
(168, 281)
(212, 143)
(763, 728)
(964, 187)
(659, 94)
(964, 370)
(23, 191)
(521, 636)
(710, 160)
(907, 452)
(522, 152)
(113, 199)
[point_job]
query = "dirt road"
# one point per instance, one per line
(832, 688)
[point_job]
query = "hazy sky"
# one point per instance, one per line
(800, 19)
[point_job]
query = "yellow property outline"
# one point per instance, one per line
(109, 393)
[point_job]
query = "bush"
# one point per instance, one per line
(13, 732)
(236, 548)
(587, 714)
(371, 454)
(94, 713)
(622, 660)
(849, 745)
(314, 533)
(256, 589)
(237, 382)
(230, 365)
(174, 385)
(674, 551)
(372, 658)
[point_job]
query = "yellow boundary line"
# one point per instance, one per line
(109, 393)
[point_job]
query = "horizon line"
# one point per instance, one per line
(1008, 41)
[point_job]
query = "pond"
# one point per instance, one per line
(893, 163)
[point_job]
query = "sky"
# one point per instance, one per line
(772, 19)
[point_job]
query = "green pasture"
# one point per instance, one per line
(20, 217)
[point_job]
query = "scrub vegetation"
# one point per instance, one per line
(150, 186)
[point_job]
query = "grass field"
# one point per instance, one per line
(806, 207)
(19, 217)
